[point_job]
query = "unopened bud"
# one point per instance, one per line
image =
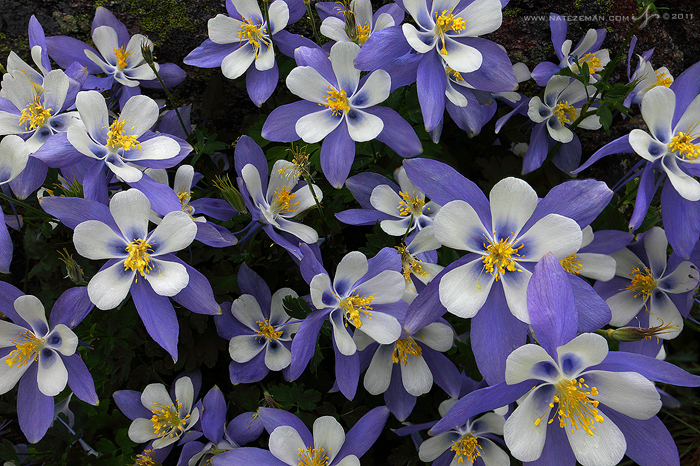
(73, 269)
(230, 193)
(632, 334)
(147, 52)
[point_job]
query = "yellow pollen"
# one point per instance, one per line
(121, 55)
(468, 446)
(363, 33)
(410, 264)
(281, 201)
(300, 167)
(117, 137)
(447, 22)
(456, 75)
(315, 456)
(185, 197)
(643, 283)
(500, 256)
(145, 459)
(403, 348)
(683, 143)
(167, 421)
(572, 264)
(356, 307)
(138, 259)
(254, 34)
(410, 204)
(593, 62)
(265, 329)
(565, 112)
(575, 408)
(27, 349)
(663, 79)
(337, 101)
(34, 112)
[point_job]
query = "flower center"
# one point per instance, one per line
(281, 201)
(27, 348)
(313, 456)
(575, 409)
(663, 79)
(145, 459)
(167, 421)
(592, 61)
(643, 283)
(117, 137)
(683, 143)
(466, 446)
(403, 348)
(410, 264)
(34, 112)
(138, 259)
(363, 33)
(447, 22)
(185, 197)
(500, 256)
(254, 34)
(572, 264)
(410, 204)
(121, 55)
(454, 75)
(356, 307)
(565, 112)
(337, 101)
(265, 329)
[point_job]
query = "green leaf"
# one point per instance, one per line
(605, 117)
(289, 396)
(296, 307)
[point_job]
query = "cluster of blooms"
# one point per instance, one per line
(542, 290)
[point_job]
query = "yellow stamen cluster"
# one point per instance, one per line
(117, 137)
(121, 55)
(185, 197)
(266, 330)
(34, 112)
(410, 264)
(663, 79)
(356, 307)
(593, 62)
(315, 456)
(643, 283)
(575, 409)
(410, 204)
(682, 143)
(467, 446)
(139, 259)
(282, 201)
(447, 22)
(500, 256)
(27, 349)
(300, 167)
(337, 101)
(254, 34)
(564, 112)
(456, 75)
(363, 33)
(167, 421)
(403, 348)
(572, 264)
(145, 459)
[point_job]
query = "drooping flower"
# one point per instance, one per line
(339, 108)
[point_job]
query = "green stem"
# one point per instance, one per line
(313, 22)
(318, 204)
(170, 98)
(26, 206)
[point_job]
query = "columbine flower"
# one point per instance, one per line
(169, 419)
(647, 292)
(354, 22)
(340, 108)
(604, 401)
(648, 79)
(14, 156)
(52, 345)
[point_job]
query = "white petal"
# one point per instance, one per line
(285, 444)
(126, 172)
(93, 113)
(586, 350)
(512, 203)
(246, 310)
(157, 148)
(95, 240)
(167, 278)
(437, 336)
(316, 126)
(237, 62)
(55, 86)
(385, 199)
(243, 348)
(363, 126)
(597, 266)
(131, 210)
(416, 376)
(30, 309)
(686, 185)
(626, 261)
(278, 15)
(155, 394)
(175, 232)
(109, 287)
(383, 328)
(52, 376)
(322, 294)
(223, 29)
(307, 83)
(375, 90)
(492, 454)
(658, 106)
(646, 146)
(628, 393)
(522, 436)
(663, 312)
(106, 42)
(329, 433)
(341, 337)
(460, 57)
(378, 375)
(334, 29)
(683, 279)
(305, 233)
(515, 289)
(350, 269)
(62, 339)
(266, 57)
(421, 43)
(9, 332)
(184, 393)
(655, 245)
(457, 225)
(141, 113)
(183, 179)
(9, 376)
(530, 362)
(277, 356)
(433, 447)
(482, 17)
(141, 430)
(624, 306)
(489, 423)
(251, 177)
(385, 287)
(463, 290)
(606, 447)
(554, 233)
(342, 57)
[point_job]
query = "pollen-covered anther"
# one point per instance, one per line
(663, 79)
(456, 75)
(300, 167)
(121, 55)
(138, 259)
(575, 408)
(682, 143)
(466, 446)
(35, 113)
(266, 330)
(447, 22)
(592, 61)
(313, 456)
(27, 347)
(410, 264)
(499, 257)
(167, 421)
(145, 459)
(410, 204)
(572, 264)
(254, 34)
(117, 137)
(185, 197)
(356, 307)
(337, 101)
(363, 32)
(564, 112)
(282, 201)
(403, 348)
(643, 283)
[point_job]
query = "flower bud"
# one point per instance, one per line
(73, 269)
(147, 52)
(230, 193)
